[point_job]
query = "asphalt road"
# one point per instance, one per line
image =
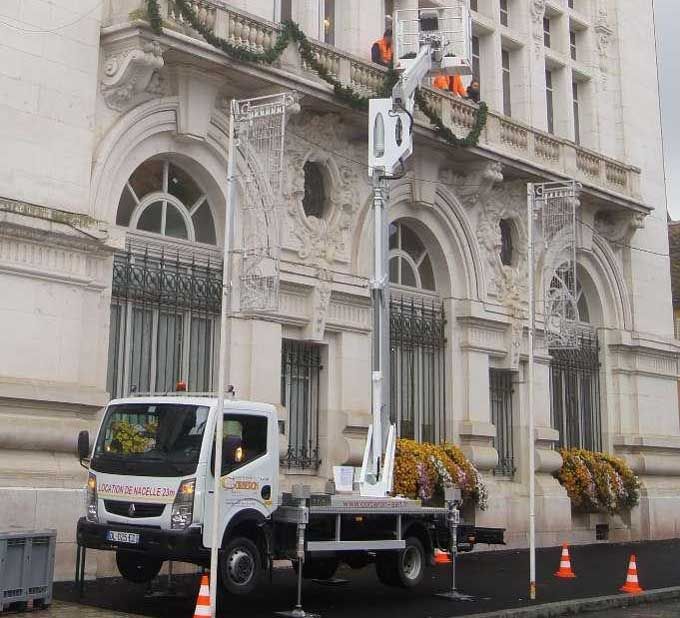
(497, 580)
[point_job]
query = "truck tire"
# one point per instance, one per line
(137, 568)
(318, 568)
(402, 569)
(240, 567)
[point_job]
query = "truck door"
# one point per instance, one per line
(249, 470)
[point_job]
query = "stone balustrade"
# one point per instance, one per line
(502, 135)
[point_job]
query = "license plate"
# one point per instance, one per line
(130, 538)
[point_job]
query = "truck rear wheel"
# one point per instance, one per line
(137, 568)
(240, 567)
(403, 569)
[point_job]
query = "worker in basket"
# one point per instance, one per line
(381, 52)
(452, 83)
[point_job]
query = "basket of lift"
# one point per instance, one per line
(26, 568)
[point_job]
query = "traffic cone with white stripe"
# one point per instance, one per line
(565, 564)
(632, 585)
(203, 599)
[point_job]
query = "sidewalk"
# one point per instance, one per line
(497, 580)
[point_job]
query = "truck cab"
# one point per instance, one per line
(150, 480)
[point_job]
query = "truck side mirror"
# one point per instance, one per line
(83, 446)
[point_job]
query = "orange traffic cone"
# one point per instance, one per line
(632, 585)
(441, 557)
(565, 564)
(203, 599)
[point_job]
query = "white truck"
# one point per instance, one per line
(150, 498)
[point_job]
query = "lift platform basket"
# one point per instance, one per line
(26, 567)
(446, 29)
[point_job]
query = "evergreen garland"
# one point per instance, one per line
(291, 33)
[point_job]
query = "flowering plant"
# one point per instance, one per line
(598, 482)
(422, 470)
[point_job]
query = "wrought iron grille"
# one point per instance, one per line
(575, 394)
(501, 391)
(164, 317)
(300, 378)
(418, 369)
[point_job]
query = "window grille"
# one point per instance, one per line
(300, 378)
(163, 327)
(501, 393)
(575, 394)
(418, 369)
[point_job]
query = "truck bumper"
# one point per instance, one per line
(183, 546)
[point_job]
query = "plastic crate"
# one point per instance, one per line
(26, 567)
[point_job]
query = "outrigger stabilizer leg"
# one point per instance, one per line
(302, 494)
(452, 497)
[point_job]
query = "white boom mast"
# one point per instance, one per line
(427, 41)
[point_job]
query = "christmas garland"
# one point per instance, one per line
(291, 32)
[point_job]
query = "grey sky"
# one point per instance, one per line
(668, 36)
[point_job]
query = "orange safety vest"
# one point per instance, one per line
(452, 83)
(385, 50)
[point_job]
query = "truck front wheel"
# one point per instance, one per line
(403, 569)
(240, 566)
(137, 568)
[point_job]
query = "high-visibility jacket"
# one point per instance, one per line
(384, 52)
(453, 83)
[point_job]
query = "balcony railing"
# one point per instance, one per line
(502, 135)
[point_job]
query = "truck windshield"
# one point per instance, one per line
(150, 439)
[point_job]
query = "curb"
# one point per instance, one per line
(577, 606)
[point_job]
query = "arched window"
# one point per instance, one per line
(160, 197)
(417, 340)
(410, 265)
(575, 376)
(165, 298)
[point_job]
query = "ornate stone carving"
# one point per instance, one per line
(507, 282)
(321, 241)
(474, 186)
(321, 300)
(603, 34)
(537, 14)
(618, 227)
(131, 76)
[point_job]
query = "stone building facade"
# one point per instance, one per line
(112, 196)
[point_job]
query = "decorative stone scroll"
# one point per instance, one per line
(131, 76)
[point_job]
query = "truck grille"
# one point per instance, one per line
(133, 509)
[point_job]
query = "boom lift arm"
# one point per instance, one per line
(390, 144)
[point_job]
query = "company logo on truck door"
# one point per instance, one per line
(240, 484)
(152, 494)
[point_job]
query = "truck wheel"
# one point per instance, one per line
(137, 568)
(240, 567)
(318, 568)
(403, 569)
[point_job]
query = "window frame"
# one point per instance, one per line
(550, 101)
(167, 199)
(504, 13)
(506, 82)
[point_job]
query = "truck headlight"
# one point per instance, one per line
(183, 506)
(91, 511)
